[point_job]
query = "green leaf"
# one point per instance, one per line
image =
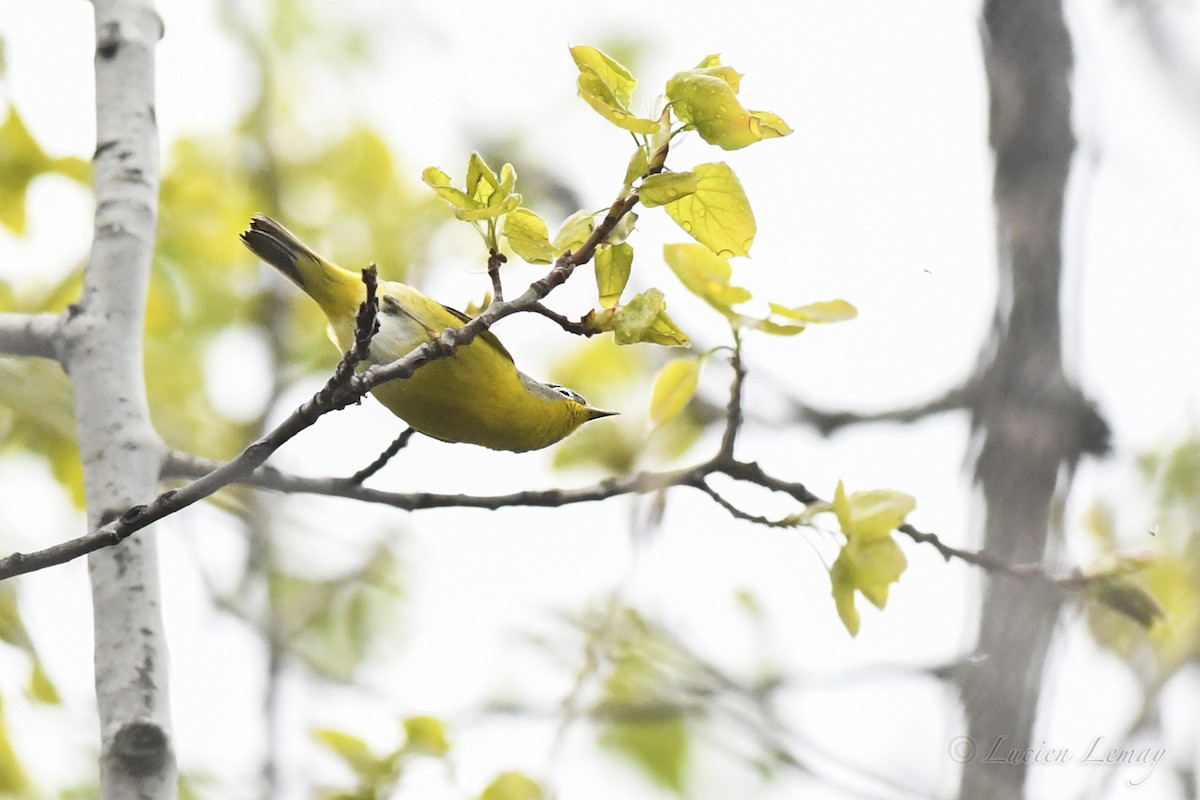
(667, 187)
(613, 265)
(644, 319)
(825, 311)
(513, 786)
(673, 389)
(574, 232)
(427, 735)
(718, 213)
(528, 236)
(705, 275)
(706, 100)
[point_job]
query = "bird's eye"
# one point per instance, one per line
(568, 393)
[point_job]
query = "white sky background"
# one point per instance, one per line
(881, 196)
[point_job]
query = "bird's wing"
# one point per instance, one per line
(434, 317)
(486, 336)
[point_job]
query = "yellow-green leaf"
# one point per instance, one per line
(607, 86)
(439, 181)
(871, 560)
(873, 514)
(21, 160)
(638, 164)
(1127, 595)
(41, 688)
(351, 749)
(528, 236)
(481, 180)
(620, 232)
(508, 179)
(427, 735)
(613, 265)
(644, 319)
(706, 99)
(673, 389)
(13, 780)
(705, 275)
(868, 567)
(768, 125)
(843, 596)
(825, 311)
(768, 326)
(574, 232)
(489, 212)
(615, 77)
(659, 746)
(597, 95)
(711, 65)
(513, 786)
(718, 213)
(667, 187)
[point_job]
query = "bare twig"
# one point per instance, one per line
(392, 449)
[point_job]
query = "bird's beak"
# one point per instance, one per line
(595, 413)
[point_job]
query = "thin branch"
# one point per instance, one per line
(30, 334)
(387, 455)
(495, 261)
(828, 422)
(1073, 580)
(733, 411)
(181, 465)
(738, 513)
(570, 326)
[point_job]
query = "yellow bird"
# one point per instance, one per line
(476, 396)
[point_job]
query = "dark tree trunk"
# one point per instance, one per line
(1032, 424)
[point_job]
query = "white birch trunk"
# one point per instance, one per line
(121, 453)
